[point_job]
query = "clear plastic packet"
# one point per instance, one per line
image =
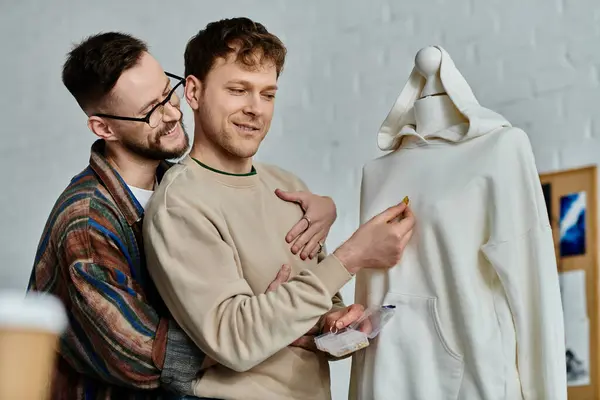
(343, 342)
(356, 335)
(373, 320)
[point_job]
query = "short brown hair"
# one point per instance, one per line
(250, 39)
(94, 66)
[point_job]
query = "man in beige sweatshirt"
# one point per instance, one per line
(215, 232)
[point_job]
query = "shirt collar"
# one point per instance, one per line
(116, 186)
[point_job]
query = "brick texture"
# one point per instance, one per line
(535, 62)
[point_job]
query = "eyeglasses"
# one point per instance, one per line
(156, 114)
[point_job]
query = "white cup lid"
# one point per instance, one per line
(37, 311)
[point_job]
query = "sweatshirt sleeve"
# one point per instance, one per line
(196, 274)
(337, 300)
(521, 250)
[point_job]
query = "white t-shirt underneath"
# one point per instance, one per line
(141, 195)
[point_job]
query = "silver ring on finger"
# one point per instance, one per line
(307, 220)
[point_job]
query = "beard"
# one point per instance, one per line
(154, 150)
(225, 141)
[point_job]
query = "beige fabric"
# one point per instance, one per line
(214, 242)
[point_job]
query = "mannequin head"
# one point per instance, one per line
(434, 110)
(427, 62)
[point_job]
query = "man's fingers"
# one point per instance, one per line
(407, 224)
(296, 231)
(331, 319)
(300, 226)
(391, 213)
(365, 326)
(295, 197)
(404, 241)
(312, 247)
(282, 276)
(409, 217)
(342, 318)
(304, 238)
(353, 313)
(314, 242)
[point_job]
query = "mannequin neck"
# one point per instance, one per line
(436, 113)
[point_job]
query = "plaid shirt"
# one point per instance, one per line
(121, 342)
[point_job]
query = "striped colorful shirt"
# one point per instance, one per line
(121, 342)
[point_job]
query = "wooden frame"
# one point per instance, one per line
(563, 183)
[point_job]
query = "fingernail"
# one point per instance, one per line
(294, 250)
(339, 325)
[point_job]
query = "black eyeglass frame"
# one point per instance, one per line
(146, 118)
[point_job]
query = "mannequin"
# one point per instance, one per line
(434, 110)
(478, 309)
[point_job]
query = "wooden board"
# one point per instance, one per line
(561, 184)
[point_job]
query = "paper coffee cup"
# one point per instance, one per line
(30, 326)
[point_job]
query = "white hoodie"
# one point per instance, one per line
(478, 309)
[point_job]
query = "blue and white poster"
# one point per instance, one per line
(572, 224)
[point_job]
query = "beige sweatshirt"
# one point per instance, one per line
(214, 242)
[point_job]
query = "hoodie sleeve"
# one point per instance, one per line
(521, 250)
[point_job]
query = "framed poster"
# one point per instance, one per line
(571, 200)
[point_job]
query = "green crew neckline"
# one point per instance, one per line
(252, 171)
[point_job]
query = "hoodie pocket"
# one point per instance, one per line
(413, 358)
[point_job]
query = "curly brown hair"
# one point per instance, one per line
(251, 40)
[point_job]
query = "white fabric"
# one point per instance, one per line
(401, 122)
(478, 309)
(141, 195)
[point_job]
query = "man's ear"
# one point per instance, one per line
(101, 129)
(193, 91)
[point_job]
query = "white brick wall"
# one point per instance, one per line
(536, 62)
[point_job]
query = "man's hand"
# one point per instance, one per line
(307, 341)
(311, 231)
(339, 319)
(282, 276)
(379, 242)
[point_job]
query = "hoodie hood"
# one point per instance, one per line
(400, 121)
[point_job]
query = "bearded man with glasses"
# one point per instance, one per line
(122, 342)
